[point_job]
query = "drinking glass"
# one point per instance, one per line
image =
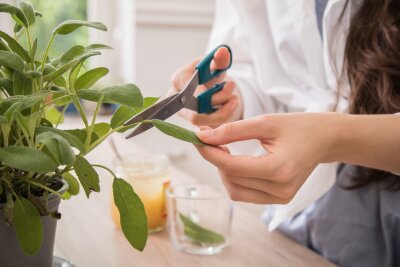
(199, 218)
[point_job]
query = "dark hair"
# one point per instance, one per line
(372, 67)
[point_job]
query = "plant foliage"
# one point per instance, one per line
(34, 153)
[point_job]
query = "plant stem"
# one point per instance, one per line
(45, 188)
(79, 107)
(106, 168)
(89, 134)
(62, 115)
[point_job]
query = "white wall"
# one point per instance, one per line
(169, 34)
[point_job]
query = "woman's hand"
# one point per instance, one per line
(295, 145)
(228, 98)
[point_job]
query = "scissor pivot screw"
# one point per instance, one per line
(183, 98)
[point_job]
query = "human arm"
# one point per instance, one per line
(296, 144)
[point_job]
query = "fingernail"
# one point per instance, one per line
(233, 104)
(205, 134)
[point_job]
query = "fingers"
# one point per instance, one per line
(214, 119)
(224, 95)
(221, 60)
(240, 193)
(180, 78)
(242, 166)
(234, 131)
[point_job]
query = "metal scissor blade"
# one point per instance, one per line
(169, 109)
(145, 114)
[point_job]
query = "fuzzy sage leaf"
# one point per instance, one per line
(28, 226)
(198, 233)
(27, 159)
(176, 131)
(132, 214)
(87, 175)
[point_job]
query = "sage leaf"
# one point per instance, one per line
(101, 129)
(28, 11)
(64, 68)
(73, 74)
(15, 46)
(89, 78)
(15, 13)
(72, 53)
(22, 85)
(132, 214)
(58, 146)
(87, 175)
(11, 60)
(23, 123)
(176, 131)
(53, 115)
(124, 113)
(73, 184)
(69, 26)
(127, 94)
(97, 47)
(3, 119)
(198, 233)
(7, 85)
(28, 226)
(72, 139)
(27, 159)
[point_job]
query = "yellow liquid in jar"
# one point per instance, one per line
(151, 191)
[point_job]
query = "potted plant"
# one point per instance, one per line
(41, 164)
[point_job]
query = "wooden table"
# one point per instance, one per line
(87, 236)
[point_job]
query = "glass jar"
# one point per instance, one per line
(149, 177)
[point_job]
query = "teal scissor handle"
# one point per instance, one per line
(204, 99)
(203, 68)
(206, 75)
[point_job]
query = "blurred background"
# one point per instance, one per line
(150, 40)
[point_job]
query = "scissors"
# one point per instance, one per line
(185, 98)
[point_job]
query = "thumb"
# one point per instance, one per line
(233, 132)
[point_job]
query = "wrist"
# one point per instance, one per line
(339, 136)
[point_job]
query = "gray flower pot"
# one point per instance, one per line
(10, 253)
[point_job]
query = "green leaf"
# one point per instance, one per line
(72, 53)
(101, 129)
(15, 46)
(121, 115)
(3, 119)
(12, 110)
(26, 101)
(97, 47)
(87, 175)
(7, 85)
(22, 85)
(34, 49)
(124, 113)
(11, 60)
(81, 134)
(200, 234)
(23, 123)
(27, 159)
(128, 95)
(69, 26)
(74, 73)
(132, 214)
(64, 68)
(27, 9)
(58, 146)
(15, 13)
(72, 139)
(53, 115)
(176, 131)
(33, 74)
(89, 78)
(28, 226)
(73, 184)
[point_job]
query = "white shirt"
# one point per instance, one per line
(281, 64)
